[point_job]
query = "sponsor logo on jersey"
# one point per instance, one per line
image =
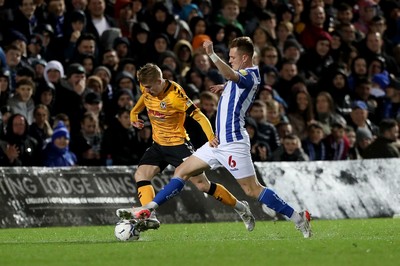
(156, 114)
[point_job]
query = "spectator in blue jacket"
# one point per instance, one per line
(57, 153)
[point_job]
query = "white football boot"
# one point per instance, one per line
(304, 226)
(247, 217)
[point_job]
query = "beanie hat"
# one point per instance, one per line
(60, 131)
(363, 133)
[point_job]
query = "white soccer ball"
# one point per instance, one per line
(125, 230)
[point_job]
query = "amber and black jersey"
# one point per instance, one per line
(167, 112)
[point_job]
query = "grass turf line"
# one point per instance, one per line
(340, 242)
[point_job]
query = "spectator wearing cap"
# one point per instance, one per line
(292, 50)
(363, 139)
(70, 93)
(97, 20)
(383, 146)
(122, 47)
(20, 40)
(359, 118)
(57, 153)
(39, 66)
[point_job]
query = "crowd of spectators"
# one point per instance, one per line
(330, 76)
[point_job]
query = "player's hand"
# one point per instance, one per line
(217, 89)
(138, 124)
(214, 142)
(208, 47)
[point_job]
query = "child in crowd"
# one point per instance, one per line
(290, 150)
(57, 153)
(22, 102)
(313, 145)
(337, 143)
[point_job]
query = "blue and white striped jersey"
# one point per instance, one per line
(234, 103)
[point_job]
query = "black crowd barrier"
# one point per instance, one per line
(33, 197)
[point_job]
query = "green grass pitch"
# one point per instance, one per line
(340, 242)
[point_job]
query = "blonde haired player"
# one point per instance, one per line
(167, 106)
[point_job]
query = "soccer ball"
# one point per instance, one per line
(125, 230)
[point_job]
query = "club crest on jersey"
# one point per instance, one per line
(189, 103)
(243, 72)
(163, 105)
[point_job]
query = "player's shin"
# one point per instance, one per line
(173, 188)
(273, 201)
(145, 192)
(220, 193)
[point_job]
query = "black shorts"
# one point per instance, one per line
(162, 156)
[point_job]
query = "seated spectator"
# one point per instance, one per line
(325, 112)
(18, 148)
(337, 143)
(301, 113)
(290, 150)
(284, 128)
(363, 140)
(359, 118)
(313, 145)
(260, 150)
(86, 144)
(57, 153)
(22, 102)
(119, 140)
(40, 129)
(383, 146)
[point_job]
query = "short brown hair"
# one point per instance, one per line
(244, 44)
(148, 73)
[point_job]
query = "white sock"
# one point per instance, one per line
(239, 206)
(151, 205)
(296, 218)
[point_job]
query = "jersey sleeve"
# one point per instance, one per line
(246, 78)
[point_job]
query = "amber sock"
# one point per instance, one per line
(145, 192)
(220, 193)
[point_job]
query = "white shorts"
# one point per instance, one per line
(234, 156)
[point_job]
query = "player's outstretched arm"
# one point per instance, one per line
(206, 126)
(225, 70)
(136, 110)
